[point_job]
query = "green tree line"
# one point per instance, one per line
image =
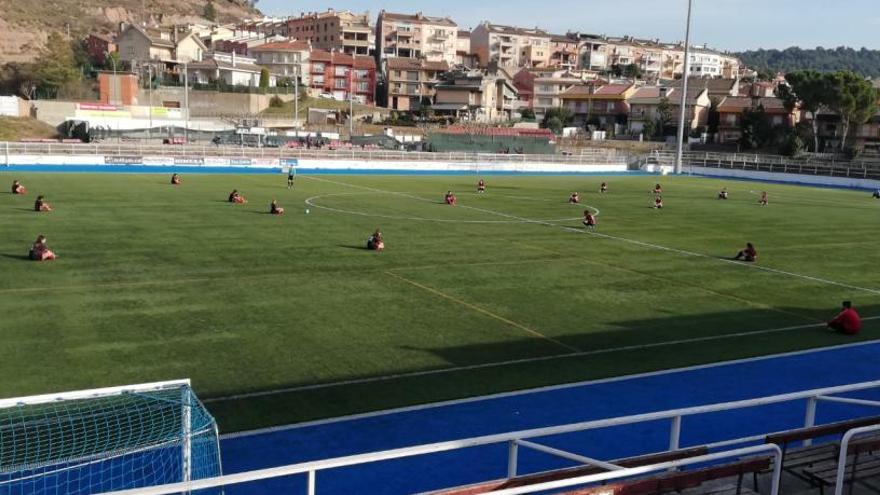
(862, 61)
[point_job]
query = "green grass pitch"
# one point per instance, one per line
(159, 282)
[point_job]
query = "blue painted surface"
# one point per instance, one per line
(783, 182)
(139, 169)
(549, 407)
(167, 169)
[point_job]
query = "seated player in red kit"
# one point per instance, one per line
(847, 321)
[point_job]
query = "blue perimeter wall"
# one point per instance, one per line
(548, 407)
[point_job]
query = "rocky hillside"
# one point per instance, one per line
(24, 25)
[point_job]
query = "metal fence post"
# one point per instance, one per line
(310, 489)
(675, 433)
(512, 450)
(810, 417)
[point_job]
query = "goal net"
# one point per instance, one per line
(103, 440)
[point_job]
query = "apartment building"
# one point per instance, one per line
(411, 82)
(463, 54)
(288, 59)
(645, 104)
(343, 75)
(339, 30)
(563, 52)
(541, 89)
(732, 108)
(592, 52)
(510, 46)
(416, 36)
(605, 104)
(476, 96)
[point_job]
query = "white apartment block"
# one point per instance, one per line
(416, 36)
(510, 46)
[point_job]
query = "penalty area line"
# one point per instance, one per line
(511, 362)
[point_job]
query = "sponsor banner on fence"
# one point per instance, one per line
(158, 160)
(240, 162)
(289, 162)
(123, 160)
(189, 160)
(264, 162)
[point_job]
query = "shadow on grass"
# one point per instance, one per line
(626, 346)
(359, 247)
(20, 257)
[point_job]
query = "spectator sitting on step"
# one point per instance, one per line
(847, 321)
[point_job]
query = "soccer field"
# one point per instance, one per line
(505, 291)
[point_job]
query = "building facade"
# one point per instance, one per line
(509, 46)
(343, 76)
(288, 59)
(411, 82)
(416, 36)
(339, 30)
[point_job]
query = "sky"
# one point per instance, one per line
(723, 24)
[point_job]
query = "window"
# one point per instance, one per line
(318, 66)
(318, 80)
(363, 87)
(341, 71)
(340, 84)
(611, 106)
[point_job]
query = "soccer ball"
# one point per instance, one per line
(307, 211)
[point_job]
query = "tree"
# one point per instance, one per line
(210, 12)
(56, 64)
(632, 71)
(527, 114)
(264, 78)
(714, 118)
(556, 119)
(755, 128)
(112, 61)
(810, 90)
(649, 129)
(616, 70)
(853, 98)
(664, 115)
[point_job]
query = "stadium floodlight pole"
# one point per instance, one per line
(150, 103)
(186, 104)
(679, 149)
(296, 76)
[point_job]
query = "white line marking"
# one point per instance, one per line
(311, 202)
(643, 244)
(549, 388)
(496, 364)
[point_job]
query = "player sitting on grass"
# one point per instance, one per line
(175, 180)
(574, 198)
(589, 220)
(876, 194)
(722, 194)
(658, 189)
(235, 197)
(749, 253)
(603, 188)
(40, 251)
(847, 321)
(41, 205)
(481, 186)
(763, 201)
(17, 188)
(375, 242)
(275, 209)
(450, 198)
(658, 202)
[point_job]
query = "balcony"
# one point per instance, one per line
(441, 36)
(403, 34)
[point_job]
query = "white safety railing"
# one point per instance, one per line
(524, 438)
(807, 165)
(586, 157)
(844, 448)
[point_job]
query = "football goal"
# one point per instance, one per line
(99, 440)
